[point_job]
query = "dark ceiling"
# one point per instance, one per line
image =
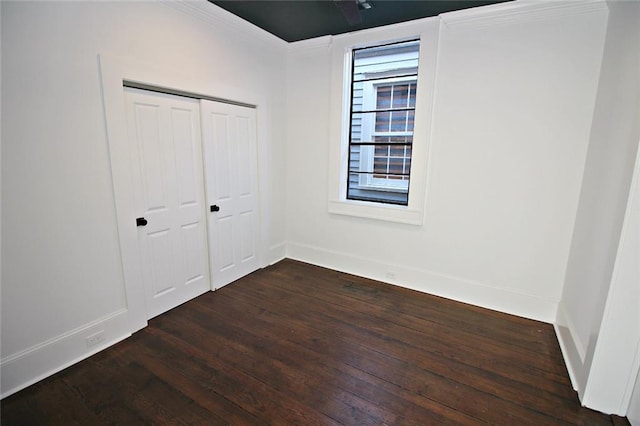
(295, 20)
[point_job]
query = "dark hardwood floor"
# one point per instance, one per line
(296, 344)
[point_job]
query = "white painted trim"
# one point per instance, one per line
(1, 257)
(423, 280)
(564, 321)
(386, 212)
(633, 409)
(111, 72)
(40, 361)
(217, 16)
(628, 248)
(563, 338)
(518, 12)
(615, 359)
(572, 350)
(311, 47)
(277, 252)
(633, 385)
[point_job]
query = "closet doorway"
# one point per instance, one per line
(193, 169)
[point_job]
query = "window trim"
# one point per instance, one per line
(426, 30)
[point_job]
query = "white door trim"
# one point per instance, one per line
(114, 71)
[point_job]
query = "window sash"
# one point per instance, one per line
(381, 120)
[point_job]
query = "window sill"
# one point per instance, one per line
(377, 211)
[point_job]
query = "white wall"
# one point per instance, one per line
(61, 271)
(514, 98)
(601, 211)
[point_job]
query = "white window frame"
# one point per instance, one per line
(426, 30)
(368, 131)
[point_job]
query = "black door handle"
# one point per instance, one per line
(141, 221)
(214, 208)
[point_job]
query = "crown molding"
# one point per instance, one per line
(217, 16)
(311, 47)
(519, 11)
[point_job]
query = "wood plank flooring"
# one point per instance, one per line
(296, 344)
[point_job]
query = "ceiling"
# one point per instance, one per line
(295, 20)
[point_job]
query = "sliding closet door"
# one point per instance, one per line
(231, 182)
(165, 148)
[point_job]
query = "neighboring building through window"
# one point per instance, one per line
(383, 101)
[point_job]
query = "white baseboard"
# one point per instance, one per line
(277, 252)
(572, 349)
(474, 293)
(568, 353)
(38, 362)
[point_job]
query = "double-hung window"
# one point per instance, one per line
(383, 102)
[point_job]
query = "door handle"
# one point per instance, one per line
(141, 221)
(214, 208)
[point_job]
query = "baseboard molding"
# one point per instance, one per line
(572, 349)
(38, 362)
(569, 354)
(277, 252)
(474, 293)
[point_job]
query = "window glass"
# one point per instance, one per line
(383, 101)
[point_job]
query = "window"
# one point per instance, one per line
(380, 115)
(383, 101)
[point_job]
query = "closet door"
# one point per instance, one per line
(165, 147)
(231, 181)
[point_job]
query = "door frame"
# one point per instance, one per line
(115, 72)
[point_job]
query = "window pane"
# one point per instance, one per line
(404, 55)
(395, 166)
(399, 121)
(382, 150)
(410, 119)
(412, 95)
(383, 121)
(400, 95)
(398, 196)
(383, 100)
(397, 151)
(394, 139)
(377, 126)
(384, 79)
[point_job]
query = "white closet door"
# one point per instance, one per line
(231, 181)
(165, 142)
